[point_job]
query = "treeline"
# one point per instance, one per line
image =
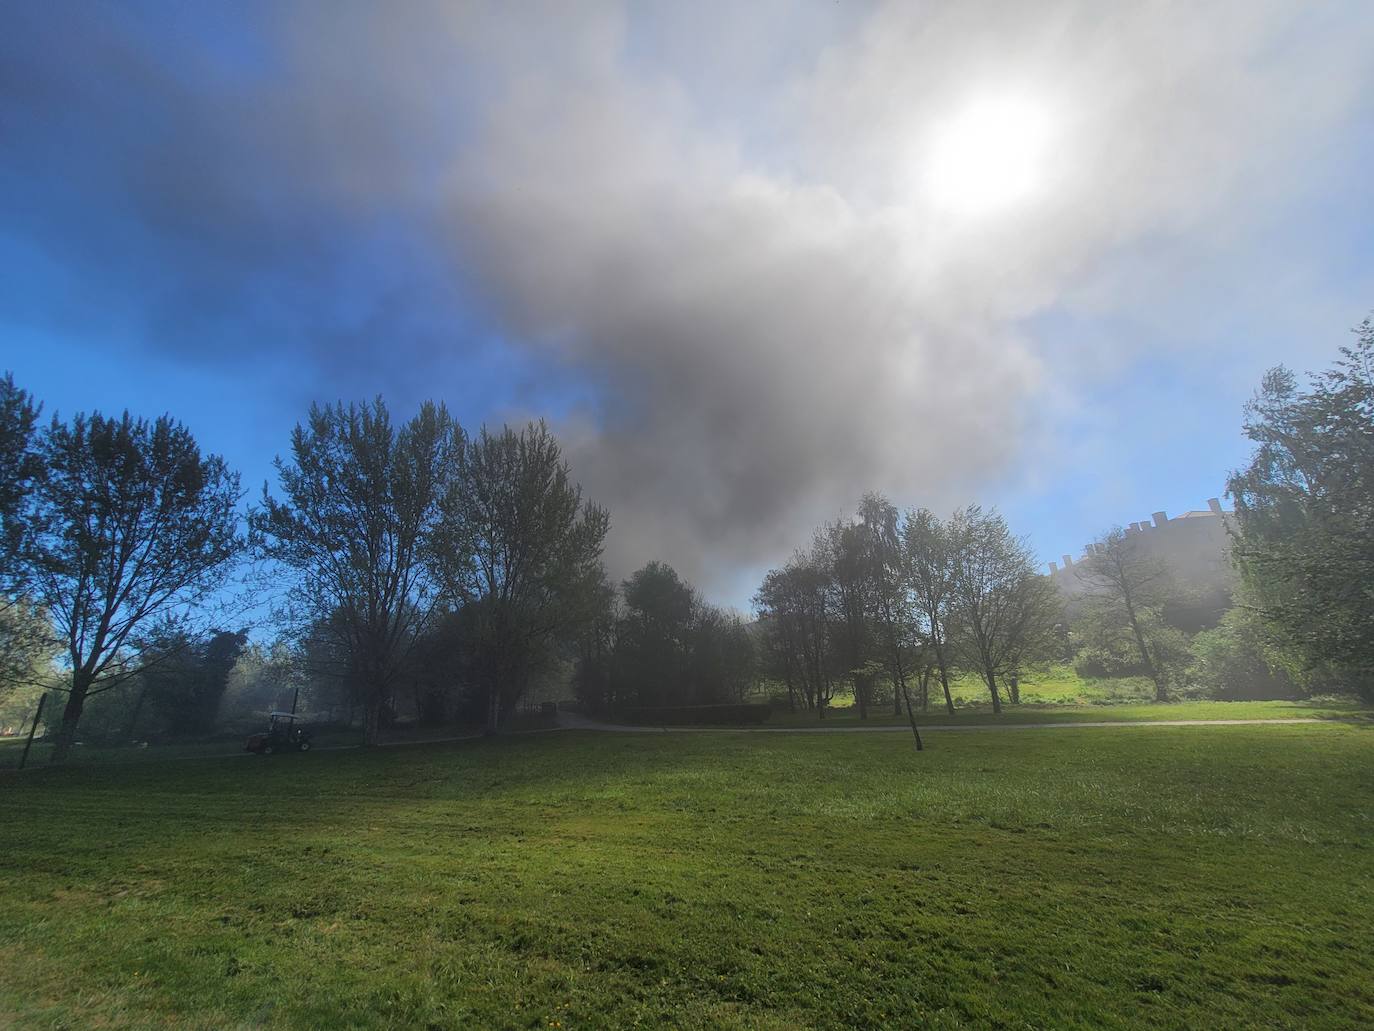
(401, 559)
(419, 568)
(891, 603)
(657, 645)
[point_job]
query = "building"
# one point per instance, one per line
(1195, 546)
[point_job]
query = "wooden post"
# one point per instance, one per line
(37, 715)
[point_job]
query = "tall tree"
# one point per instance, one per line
(929, 568)
(131, 525)
(1304, 533)
(359, 523)
(888, 594)
(20, 469)
(23, 636)
(655, 639)
(796, 606)
(847, 548)
(1129, 587)
(525, 556)
(1005, 611)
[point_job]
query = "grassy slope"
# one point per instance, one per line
(1187, 878)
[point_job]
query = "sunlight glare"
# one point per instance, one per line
(989, 156)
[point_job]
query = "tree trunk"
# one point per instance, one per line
(493, 712)
(138, 708)
(911, 717)
(71, 716)
(861, 695)
(944, 683)
(372, 721)
(1152, 668)
(1015, 686)
(992, 689)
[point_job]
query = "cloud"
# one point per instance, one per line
(706, 237)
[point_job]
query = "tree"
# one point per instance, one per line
(131, 525)
(888, 593)
(20, 469)
(23, 630)
(928, 555)
(594, 675)
(794, 605)
(523, 552)
(360, 526)
(1304, 532)
(1240, 660)
(847, 549)
(1130, 588)
(1006, 612)
(655, 638)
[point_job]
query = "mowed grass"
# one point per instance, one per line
(1172, 877)
(848, 716)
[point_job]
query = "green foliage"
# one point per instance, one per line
(1240, 659)
(359, 524)
(132, 527)
(1305, 513)
(1093, 878)
(523, 559)
(667, 648)
(20, 469)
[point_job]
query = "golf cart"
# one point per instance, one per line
(284, 730)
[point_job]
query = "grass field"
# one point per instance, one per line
(1191, 877)
(977, 715)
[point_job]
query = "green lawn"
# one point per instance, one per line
(1058, 685)
(977, 715)
(1191, 877)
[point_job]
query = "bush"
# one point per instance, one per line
(1096, 662)
(1235, 662)
(683, 715)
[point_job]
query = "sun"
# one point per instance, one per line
(989, 156)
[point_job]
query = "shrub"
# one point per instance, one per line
(1235, 661)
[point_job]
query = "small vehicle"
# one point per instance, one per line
(284, 730)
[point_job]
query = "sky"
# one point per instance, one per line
(748, 261)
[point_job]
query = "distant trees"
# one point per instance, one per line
(666, 647)
(131, 525)
(928, 570)
(520, 549)
(654, 641)
(796, 617)
(1005, 610)
(1304, 535)
(893, 597)
(179, 694)
(1128, 590)
(360, 524)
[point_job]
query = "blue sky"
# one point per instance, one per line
(708, 249)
